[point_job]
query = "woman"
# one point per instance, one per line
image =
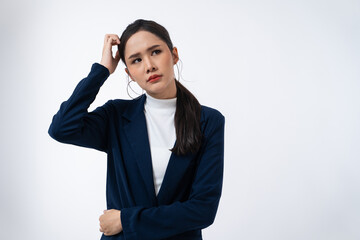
(164, 150)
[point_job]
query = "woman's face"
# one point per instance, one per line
(146, 55)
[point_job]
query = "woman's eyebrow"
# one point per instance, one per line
(150, 48)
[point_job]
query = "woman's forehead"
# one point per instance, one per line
(141, 41)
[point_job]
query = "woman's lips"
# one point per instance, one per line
(154, 79)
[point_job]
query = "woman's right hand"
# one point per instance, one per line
(107, 59)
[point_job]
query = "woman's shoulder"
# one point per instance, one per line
(210, 113)
(211, 120)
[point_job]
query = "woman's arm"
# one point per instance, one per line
(73, 123)
(196, 213)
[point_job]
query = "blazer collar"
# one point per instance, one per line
(135, 108)
(137, 134)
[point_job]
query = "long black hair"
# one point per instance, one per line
(188, 108)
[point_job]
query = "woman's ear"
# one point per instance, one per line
(175, 55)
(127, 71)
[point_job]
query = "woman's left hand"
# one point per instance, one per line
(110, 222)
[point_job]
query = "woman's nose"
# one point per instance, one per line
(150, 66)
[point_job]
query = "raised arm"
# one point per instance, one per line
(199, 210)
(73, 123)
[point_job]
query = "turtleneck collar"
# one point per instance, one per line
(160, 103)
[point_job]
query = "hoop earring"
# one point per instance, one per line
(178, 78)
(127, 88)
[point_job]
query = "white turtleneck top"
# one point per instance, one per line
(159, 114)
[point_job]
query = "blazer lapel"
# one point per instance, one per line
(176, 168)
(136, 132)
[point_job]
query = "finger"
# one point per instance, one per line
(107, 41)
(112, 36)
(115, 36)
(107, 45)
(106, 38)
(114, 41)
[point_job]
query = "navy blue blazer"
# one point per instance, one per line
(190, 192)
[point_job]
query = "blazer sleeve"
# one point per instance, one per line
(73, 124)
(199, 210)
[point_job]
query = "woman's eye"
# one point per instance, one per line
(136, 60)
(157, 51)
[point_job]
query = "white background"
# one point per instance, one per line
(285, 74)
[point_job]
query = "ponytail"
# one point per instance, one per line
(187, 122)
